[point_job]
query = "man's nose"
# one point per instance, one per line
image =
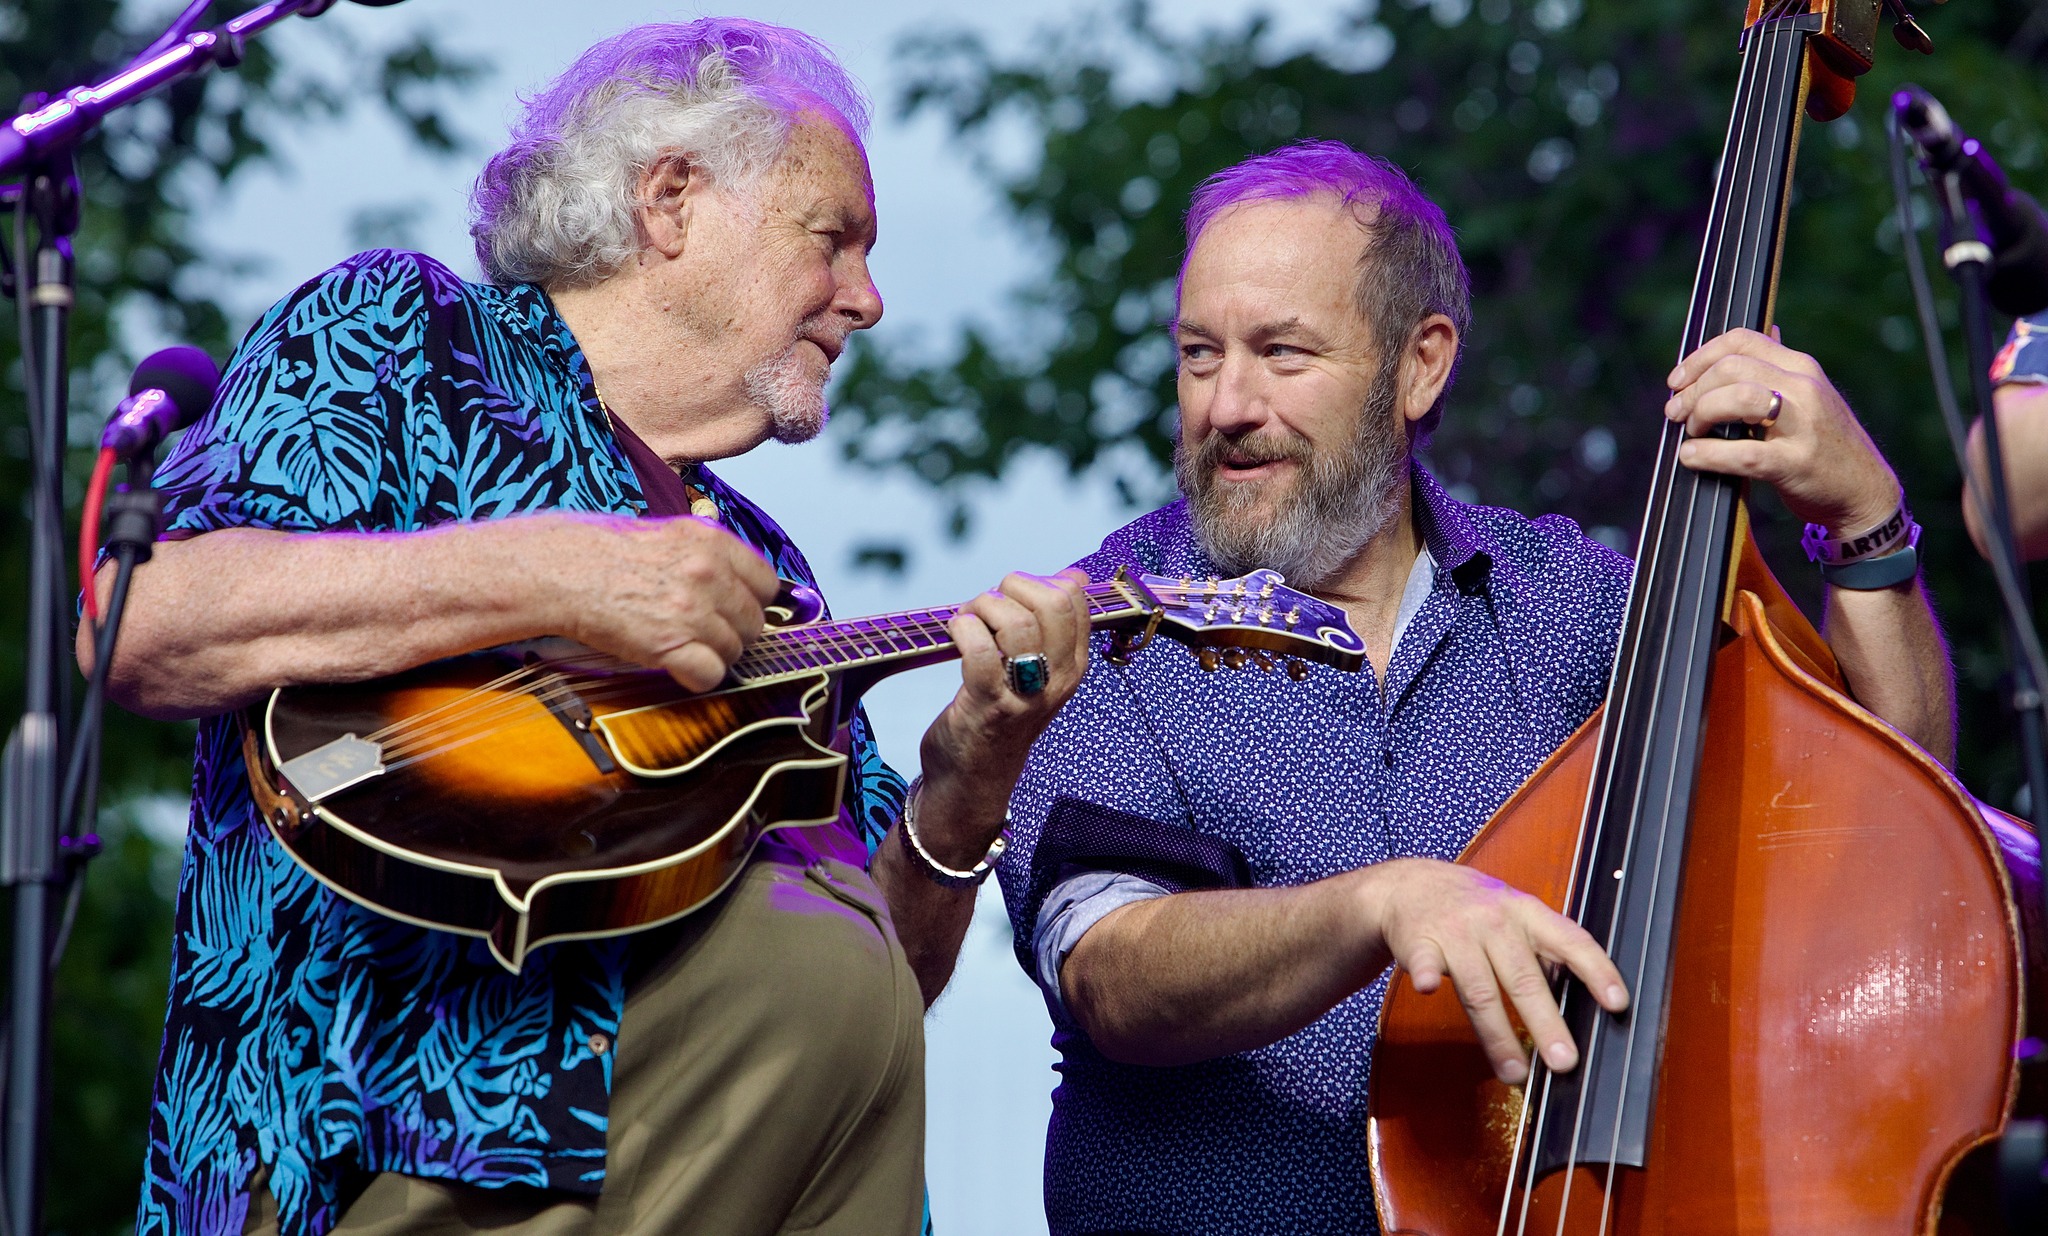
(1240, 400)
(858, 297)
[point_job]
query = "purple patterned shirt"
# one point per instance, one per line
(1508, 653)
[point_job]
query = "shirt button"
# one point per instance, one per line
(1389, 755)
(599, 1044)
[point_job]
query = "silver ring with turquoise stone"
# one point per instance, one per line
(1028, 674)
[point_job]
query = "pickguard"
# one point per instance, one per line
(669, 739)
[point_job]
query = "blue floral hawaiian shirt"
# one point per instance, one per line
(307, 1034)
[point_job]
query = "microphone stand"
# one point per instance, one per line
(2024, 1148)
(39, 853)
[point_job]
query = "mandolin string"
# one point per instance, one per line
(861, 639)
(496, 687)
(459, 729)
(1655, 533)
(474, 723)
(1783, 44)
(842, 642)
(492, 702)
(451, 730)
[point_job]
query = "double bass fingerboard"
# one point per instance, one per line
(1639, 807)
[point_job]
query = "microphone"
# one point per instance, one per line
(2012, 224)
(170, 390)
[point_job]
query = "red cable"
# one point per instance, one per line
(89, 529)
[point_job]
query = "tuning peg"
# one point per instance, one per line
(1907, 31)
(1264, 662)
(1293, 616)
(1235, 658)
(1208, 659)
(1912, 37)
(1297, 669)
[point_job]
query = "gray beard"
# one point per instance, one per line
(794, 401)
(1342, 499)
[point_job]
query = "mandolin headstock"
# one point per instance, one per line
(1844, 46)
(1252, 617)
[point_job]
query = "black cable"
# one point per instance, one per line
(24, 279)
(2018, 615)
(24, 275)
(81, 781)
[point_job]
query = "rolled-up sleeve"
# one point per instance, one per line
(1071, 909)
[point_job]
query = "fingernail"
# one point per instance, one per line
(1617, 996)
(1514, 1072)
(1558, 1056)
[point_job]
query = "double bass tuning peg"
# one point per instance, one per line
(1907, 31)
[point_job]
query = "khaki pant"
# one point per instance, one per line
(770, 1079)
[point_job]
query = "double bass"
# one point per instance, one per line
(1818, 923)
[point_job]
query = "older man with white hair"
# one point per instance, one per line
(401, 467)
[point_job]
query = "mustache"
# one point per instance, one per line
(1251, 448)
(825, 329)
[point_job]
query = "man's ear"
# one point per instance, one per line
(666, 194)
(1432, 351)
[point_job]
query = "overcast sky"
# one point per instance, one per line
(945, 254)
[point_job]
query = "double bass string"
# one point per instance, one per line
(1749, 262)
(1752, 118)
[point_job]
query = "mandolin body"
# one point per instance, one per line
(543, 791)
(529, 824)
(1846, 985)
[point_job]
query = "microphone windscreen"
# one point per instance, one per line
(186, 374)
(2017, 284)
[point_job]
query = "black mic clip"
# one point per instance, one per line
(134, 517)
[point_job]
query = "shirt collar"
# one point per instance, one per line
(528, 307)
(1454, 541)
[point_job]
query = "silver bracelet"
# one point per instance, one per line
(936, 871)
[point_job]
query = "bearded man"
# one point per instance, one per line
(402, 467)
(1212, 872)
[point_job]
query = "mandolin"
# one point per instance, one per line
(543, 791)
